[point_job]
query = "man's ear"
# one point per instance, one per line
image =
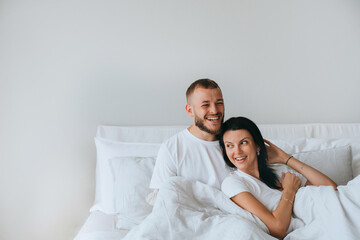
(189, 110)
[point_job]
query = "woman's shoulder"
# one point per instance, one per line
(234, 183)
(234, 178)
(232, 175)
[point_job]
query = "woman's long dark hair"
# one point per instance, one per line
(266, 173)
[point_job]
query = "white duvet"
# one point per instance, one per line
(326, 213)
(188, 209)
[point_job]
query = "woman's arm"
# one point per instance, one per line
(277, 221)
(313, 176)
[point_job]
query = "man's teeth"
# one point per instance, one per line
(213, 119)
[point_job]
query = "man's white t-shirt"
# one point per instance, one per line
(188, 156)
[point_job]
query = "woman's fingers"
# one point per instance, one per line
(290, 181)
(267, 142)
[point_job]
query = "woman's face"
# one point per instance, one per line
(241, 150)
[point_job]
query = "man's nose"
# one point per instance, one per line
(213, 109)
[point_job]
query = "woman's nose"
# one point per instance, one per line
(238, 150)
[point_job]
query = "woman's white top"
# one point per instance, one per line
(238, 182)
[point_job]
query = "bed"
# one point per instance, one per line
(187, 209)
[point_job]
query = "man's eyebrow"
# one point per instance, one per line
(218, 100)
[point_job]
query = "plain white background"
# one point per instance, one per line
(68, 66)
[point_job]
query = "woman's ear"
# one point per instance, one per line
(258, 150)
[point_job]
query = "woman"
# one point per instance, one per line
(254, 186)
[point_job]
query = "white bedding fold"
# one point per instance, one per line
(188, 209)
(328, 214)
(102, 235)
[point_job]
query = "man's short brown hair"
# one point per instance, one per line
(204, 83)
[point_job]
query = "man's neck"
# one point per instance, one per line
(197, 132)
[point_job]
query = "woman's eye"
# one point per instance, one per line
(243, 142)
(228, 145)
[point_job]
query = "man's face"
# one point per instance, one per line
(207, 107)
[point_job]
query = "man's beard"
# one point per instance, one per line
(200, 124)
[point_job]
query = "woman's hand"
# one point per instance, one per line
(290, 182)
(275, 154)
(277, 221)
(313, 176)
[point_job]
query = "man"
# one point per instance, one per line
(195, 152)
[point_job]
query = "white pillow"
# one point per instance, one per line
(106, 149)
(335, 163)
(132, 177)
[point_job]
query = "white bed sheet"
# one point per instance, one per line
(100, 226)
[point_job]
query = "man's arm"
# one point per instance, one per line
(165, 167)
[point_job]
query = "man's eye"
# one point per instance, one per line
(220, 103)
(205, 105)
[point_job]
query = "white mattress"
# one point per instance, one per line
(99, 226)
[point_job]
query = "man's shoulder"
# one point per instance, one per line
(176, 138)
(171, 145)
(184, 142)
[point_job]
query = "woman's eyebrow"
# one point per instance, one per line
(239, 141)
(244, 139)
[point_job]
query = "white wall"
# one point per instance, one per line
(68, 66)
